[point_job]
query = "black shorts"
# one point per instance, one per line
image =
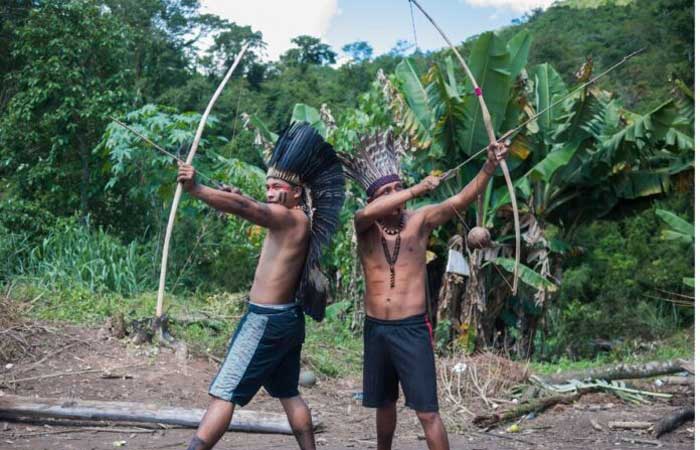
(264, 351)
(399, 351)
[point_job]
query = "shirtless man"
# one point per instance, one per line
(392, 243)
(266, 347)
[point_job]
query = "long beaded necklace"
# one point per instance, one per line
(394, 256)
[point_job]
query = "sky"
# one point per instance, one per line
(379, 22)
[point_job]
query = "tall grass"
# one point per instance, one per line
(75, 255)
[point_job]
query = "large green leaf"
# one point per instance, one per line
(685, 100)
(639, 136)
(640, 184)
(449, 115)
(265, 132)
(309, 114)
(681, 229)
(490, 63)
(549, 88)
(547, 167)
(418, 119)
(519, 48)
(526, 275)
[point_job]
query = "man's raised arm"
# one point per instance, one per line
(385, 204)
(233, 201)
(438, 214)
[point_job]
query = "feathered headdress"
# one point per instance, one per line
(375, 162)
(302, 157)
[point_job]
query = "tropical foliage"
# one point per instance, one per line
(603, 174)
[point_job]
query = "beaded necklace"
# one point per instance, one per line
(391, 258)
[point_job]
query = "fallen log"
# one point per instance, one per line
(678, 381)
(673, 420)
(17, 408)
(620, 371)
(630, 425)
(531, 406)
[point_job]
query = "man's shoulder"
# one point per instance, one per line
(300, 220)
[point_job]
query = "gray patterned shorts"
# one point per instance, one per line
(264, 351)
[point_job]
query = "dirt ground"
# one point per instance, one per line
(157, 376)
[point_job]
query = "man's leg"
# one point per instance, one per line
(435, 433)
(213, 425)
(299, 417)
(386, 425)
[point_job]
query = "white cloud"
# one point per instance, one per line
(520, 6)
(279, 21)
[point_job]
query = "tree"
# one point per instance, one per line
(401, 48)
(228, 41)
(358, 51)
(309, 51)
(71, 78)
(160, 46)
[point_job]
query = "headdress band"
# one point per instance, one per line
(376, 184)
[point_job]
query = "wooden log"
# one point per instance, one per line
(679, 381)
(620, 372)
(674, 420)
(15, 408)
(630, 425)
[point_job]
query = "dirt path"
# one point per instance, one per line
(157, 376)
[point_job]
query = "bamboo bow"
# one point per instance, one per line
(178, 190)
(492, 140)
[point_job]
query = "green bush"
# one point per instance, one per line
(615, 288)
(20, 216)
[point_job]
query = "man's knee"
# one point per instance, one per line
(389, 407)
(198, 444)
(428, 417)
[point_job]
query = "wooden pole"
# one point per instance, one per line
(14, 407)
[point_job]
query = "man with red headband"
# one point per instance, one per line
(305, 192)
(392, 243)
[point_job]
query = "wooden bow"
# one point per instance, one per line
(492, 140)
(178, 190)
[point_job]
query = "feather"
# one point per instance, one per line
(375, 161)
(301, 156)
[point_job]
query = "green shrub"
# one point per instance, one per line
(615, 288)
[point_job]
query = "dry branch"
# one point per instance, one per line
(67, 373)
(16, 408)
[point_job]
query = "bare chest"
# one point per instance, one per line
(405, 249)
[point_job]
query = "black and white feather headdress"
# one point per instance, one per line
(375, 162)
(302, 157)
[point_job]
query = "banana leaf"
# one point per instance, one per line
(418, 119)
(490, 63)
(449, 115)
(680, 229)
(549, 88)
(265, 132)
(518, 49)
(640, 184)
(309, 114)
(526, 275)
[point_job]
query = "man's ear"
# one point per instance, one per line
(297, 192)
